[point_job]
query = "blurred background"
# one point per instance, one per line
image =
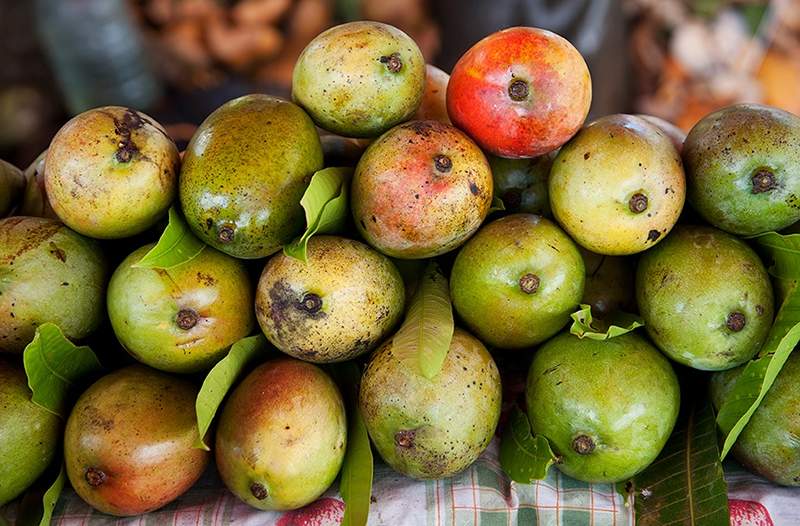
(179, 59)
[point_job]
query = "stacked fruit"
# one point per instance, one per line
(579, 202)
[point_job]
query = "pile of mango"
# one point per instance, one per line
(489, 172)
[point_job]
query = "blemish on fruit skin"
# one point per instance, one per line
(653, 235)
(474, 188)
(405, 438)
(95, 477)
(583, 445)
(258, 491)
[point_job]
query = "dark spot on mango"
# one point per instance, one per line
(186, 319)
(95, 477)
(583, 445)
(653, 235)
(474, 188)
(405, 438)
(258, 491)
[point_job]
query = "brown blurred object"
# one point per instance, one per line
(693, 57)
(412, 16)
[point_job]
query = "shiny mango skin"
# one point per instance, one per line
(434, 104)
(29, 434)
(111, 172)
(48, 273)
(597, 174)
(675, 134)
(522, 183)
(559, 92)
(485, 282)
(406, 207)
(12, 187)
(621, 393)
(361, 293)
(34, 201)
(145, 304)
(723, 152)
(282, 435)
(687, 288)
(133, 433)
(431, 429)
(609, 284)
(344, 81)
(244, 173)
(768, 444)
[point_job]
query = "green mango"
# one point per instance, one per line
(282, 435)
(431, 428)
(606, 406)
(338, 305)
(244, 173)
(743, 168)
(705, 297)
(12, 187)
(525, 267)
(359, 79)
(609, 284)
(47, 273)
(183, 319)
(522, 183)
(29, 434)
(129, 441)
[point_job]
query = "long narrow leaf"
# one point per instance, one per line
(424, 338)
(36, 507)
(176, 246)
(524, 457)
(585, 326)
(55, 367)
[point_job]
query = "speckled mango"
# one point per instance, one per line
(282, 435)
(359, 79)
(182, 319)
(128, 445)
(618, 186)
(768, 444)
(244, 173)
(111, 172)
(12, 187)
(525, 269)
(47, 273)
(606, 406)
(29, 434)
(338, 305)
(430, 429)
(743, 168)
(522, 183)
(420, 190)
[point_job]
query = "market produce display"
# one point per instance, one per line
(284, 316)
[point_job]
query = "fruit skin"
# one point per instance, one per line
(47, 273)
(688, 288)
(34, 200)
(111, 172)
(609, 284)
(489, 276)
(338, 305)
(522, 183)
(675, 134)
(282, 435)
(132, 434)
(244, 173)
(597, 180)
(767, 445)
(420, 190)
(359, 79)
(430, 429)
(723, 153)
(12, 187)
(29, 434)
(619, 398)
(210, 295)
(558, 92)
(434, 103)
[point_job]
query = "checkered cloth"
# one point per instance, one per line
(481, 495)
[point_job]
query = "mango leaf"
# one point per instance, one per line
(325, 205)
(497, 205)
(685, 485)
(221, 377)
(176, 246)
(55, 367)
(758, 376)
(36, 507)
(424, 338)
(619, 323)
(524, 457)
(355, 481)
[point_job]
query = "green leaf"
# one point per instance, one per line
(221, 377)
(36, 507)
(55, 366)
(619, 323)
(524, 457)
(497, 205)
(176, 246)
(685, 485)
(355, 482)
(758, 376)
(424, 338)
(325, 204)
